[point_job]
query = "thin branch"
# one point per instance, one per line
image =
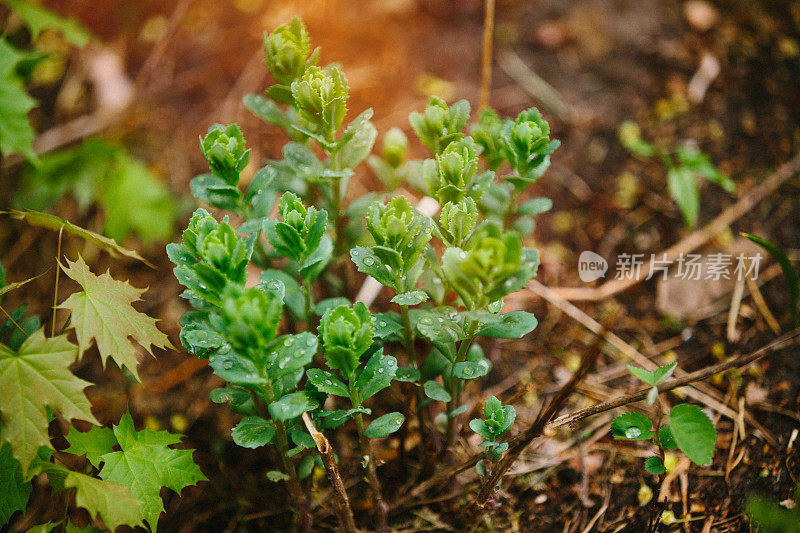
(326, 452)
(520, 442)
(784, 341)
(486, 63)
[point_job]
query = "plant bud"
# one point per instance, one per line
(458, 220)
(346, 334)
(287, 51)
(224, 149)
(321, 98)
(251, 317)
(395, 147)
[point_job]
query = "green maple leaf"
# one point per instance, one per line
(33, 378)
(103, 312)
(145, 464)
(13, 487)
(111, 502)
(16, 134)
(93, 444)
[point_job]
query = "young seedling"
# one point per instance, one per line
(792, 276)
(684, 165)
(686, 428)
(347, 334)
(498, 419)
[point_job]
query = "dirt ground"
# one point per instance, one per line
(607, 61)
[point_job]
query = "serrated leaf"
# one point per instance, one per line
(665, 438)
(145, 465)
(693, 432)
(94, 443)
(13, 487)
(291, 406)
(36, 377)
(293, 352)
(410, 298)
(378, 374)
(46, 220)
(632, 426)
(113, 503)
(38, 18)
(435, 391)
(368, 263)
(103, 312)
(654, 377)
(654, 465)
(327, 382)
(253, 432)
(513, 325)
(384, 425)
(537, 206)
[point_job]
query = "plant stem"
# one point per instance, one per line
(453, 385)
(336, 207)
(55, 289)
(295, 488)
(381, 508)
(512, 202)
(299, 501)
(486, 61)
(426, 443)
(309, 301)
(329, 460)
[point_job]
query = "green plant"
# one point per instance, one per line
(685, 164)
(772, 517)
(498, 419)
(16, 132)
(447, 274)
(128, 467)
(687, 428)
(792, 276)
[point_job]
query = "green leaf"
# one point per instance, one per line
(13, 487)
(435, 391)
(632, 426)
(291, 406)
(327, 382)
(46, 220)
(213, 190)
(537, 206)
(513, 325)
(701, 164)
(136, 200)
(457, 411)
(47, 527)
(293, 294)
(693, 433)
(114, 503)
(407, 374)
(16, 134)
(792, 275)
(410, 298)
(103, 311)
(275, 476)
(253, 432)
(266, 110)
(471, 369)
(36, 377)
(358, 147)
(94, 443)
(665, 438)
(368, 263)
(384, 425)
(378, 374)
(479, 426)
(654, 465)
(387, 326)
(11, 286)
(38, 18)
(293, 352)
(682, 187)
(654, 377)
(145, 464)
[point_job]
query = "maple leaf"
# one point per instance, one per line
(33, 378)
(13, 487)
(111, 502)
(103, 312)
(145, 464)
